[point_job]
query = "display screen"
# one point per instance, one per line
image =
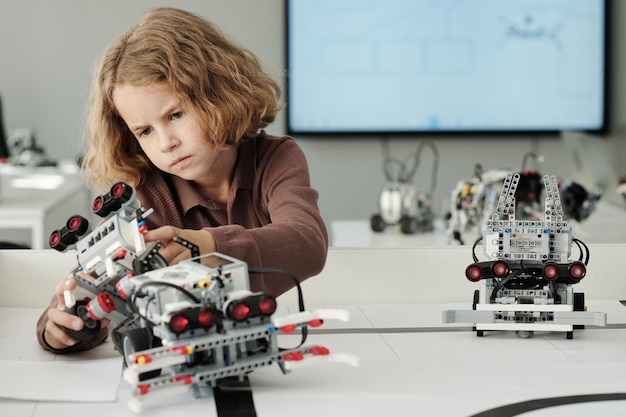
(385, 66)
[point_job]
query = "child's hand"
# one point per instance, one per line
(58, 319)
(172, 252)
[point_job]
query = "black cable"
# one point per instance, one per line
(168, 284)
(407, 174)
(389, 161)
(418, 152)
(196, 300)
(296, 282)
(134, 308)
(555, 294)
(580, 250)
(532, 155)
(499, 285)
(135, 294)
(474, 248)
(579, 243)
(404, 174)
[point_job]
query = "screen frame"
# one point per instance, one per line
(603, 129)
(4, 146)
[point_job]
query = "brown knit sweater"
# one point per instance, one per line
(271, 220)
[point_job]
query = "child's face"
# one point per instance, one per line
(169, 135)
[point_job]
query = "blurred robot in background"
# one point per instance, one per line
(401, 202)
(474, 199)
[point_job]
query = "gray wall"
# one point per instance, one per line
(48, 50)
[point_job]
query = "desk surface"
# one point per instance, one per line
(410, 364)
(606, 225)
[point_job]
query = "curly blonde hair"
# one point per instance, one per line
(222, 83)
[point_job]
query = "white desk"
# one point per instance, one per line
(410, 363)
(352, 276)
(415, 367)
(606, 225)
(358, 233)
(40, 200)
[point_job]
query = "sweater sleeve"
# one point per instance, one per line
(296, 239)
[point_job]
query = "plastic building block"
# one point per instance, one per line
(474, 199)
(189, 324)
(401, 203)
(527, 283)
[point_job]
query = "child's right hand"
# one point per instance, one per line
(59, 318)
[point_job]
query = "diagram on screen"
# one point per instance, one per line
(421, 54)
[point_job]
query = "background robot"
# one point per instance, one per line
(473, 200)
(192, 324)
(401, 203)
(527, 282)
(470, 200)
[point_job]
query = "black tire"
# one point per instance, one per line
(377, 223)
(56, 242)
(137, 340)
(117, 340)
(121, 192)
(91, 327)
(77, 224)
(408, 225)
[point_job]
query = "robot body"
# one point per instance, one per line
(526, 284)
(189, 324)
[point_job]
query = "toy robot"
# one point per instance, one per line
(186, 325)
(473, 200)
(527, 282)
(578, 202)
(470, 200)
(25, 151)
(401, 203)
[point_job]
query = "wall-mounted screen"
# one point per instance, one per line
(410, 66)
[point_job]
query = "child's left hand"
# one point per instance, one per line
(172, 252)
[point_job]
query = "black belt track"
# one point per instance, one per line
(233, 397)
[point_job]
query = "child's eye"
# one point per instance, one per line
(177, 115)
(145, 132)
